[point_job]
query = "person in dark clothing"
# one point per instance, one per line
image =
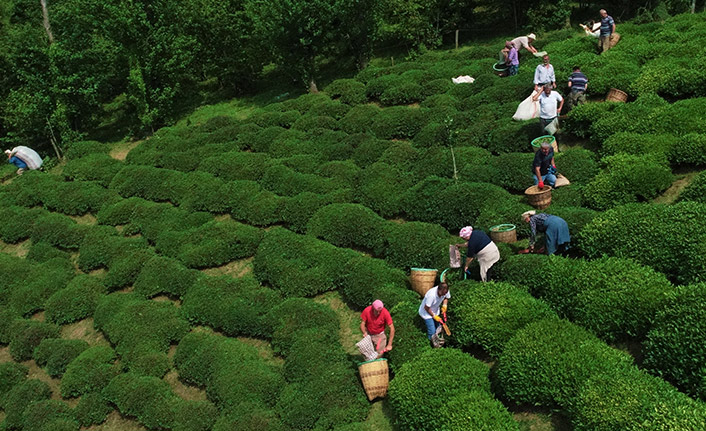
(544, 167)
(479, 246)
(577, 87)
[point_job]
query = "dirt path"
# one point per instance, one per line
(120, 150)
(672, 193)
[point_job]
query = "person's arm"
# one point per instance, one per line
(363, 329)
(613, 25)
(537, 174)
(561, 105)
(392, 337)
(536, 96)
(468, 262)
(553, 78)
(569, 84)
(533, 233)
(464, 245)
(553, 163)
(536, 78)
(428, 309)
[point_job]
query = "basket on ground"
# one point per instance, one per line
(537, 142)
(539, 198)
(375, 377)
(504, 233)
(615, 95)
(422, 279)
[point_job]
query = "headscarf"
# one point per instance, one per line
(466, 232)
(378, 305)
(528, 213)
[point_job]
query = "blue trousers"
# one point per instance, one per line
(548, 179)
(431, 327)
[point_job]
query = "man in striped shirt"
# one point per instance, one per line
(607, 29)
(577, 86)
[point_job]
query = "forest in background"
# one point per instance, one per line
(68, 67)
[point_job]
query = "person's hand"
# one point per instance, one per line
(445, 318)
(388, 348)
(540, 184)
(554, 86)
(523, 251)
(437, 318)
(554, 166)
(465, 268)
(444, 308)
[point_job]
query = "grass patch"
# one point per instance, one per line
(84, 330)
(237, 268)
(117, 422)
(20, 249)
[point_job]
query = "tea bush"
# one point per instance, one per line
(92, 409)
(233, 306)
(147, 398)
(689, 150)
(248, 416)
(381, 188)
(89, 372)
(661, 236)
(639, 143)
(30, 290)
(18, 223)
(48, 414)
(162, 275)
(19, 398)
(349, 91)
(402, 94)
(695, 190)
(287, 182)
(299, 209)
(513, 171)
(42, 252)
(399, 122)
(26, 335)
(100, 168)
(489, 314)
(416, 244)
(547, 362)
(410, 333)
(56, 354)
(627, 178)
(577, 164)
(349, 225)
(75, 302)
(11, 374)
(81, 149)
(359, 119)
(365, 279)
(675, 345)
(58, 230)
(233, 166)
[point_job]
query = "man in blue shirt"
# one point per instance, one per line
(577, 87)
(607, 30)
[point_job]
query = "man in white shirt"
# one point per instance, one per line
(525, 42)
(548, 111)
(544, 74)
(435, 300)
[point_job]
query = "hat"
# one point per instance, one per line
(8, 152)
(532, 36)
(466, 232)
(529, 213)
(378, 305)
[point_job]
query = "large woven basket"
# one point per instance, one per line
(422, 279)
(539, 198)
(375, 378)
(615, 95)
(503, 233)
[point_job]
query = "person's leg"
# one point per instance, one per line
(431, 327)
(549, 179)
(581, 98)
(543, 124)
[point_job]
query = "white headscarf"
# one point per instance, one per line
(528, 213)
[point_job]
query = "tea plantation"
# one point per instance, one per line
(211, 277)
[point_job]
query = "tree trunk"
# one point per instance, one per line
(45, 15)
(312, 86)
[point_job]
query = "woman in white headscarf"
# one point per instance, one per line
(478, 245)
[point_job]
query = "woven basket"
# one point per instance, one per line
(375, 378)
(615, 95)
(422, 279)
(539, 198)
(504, 233)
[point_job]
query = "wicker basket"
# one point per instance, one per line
(539, 198)
(504, 233)
(375, 378)
(615, 95)
(422, 279)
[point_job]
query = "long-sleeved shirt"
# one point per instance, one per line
(544, 74)
(512, 57)
(537, 224)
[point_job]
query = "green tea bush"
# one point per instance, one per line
(146, 182)
(11, 374)
(77, 301)
(661, 236)
(287, 319)
(248, 416)
(343, 173)
(381, 188)
(80, 149)
(331, 108)
(18, 223)
(399, 122)
(92, 409)
(359, 119)
(574, 216)
(471, 163)
(19, 398)
(634, 400)
(212, 244)
(376, 86)
(689, 150)
(299, 209)
(7, 318)
(58, 230)
(582, 117)
(402, 94)
(308, 122)
(489, 314)
(194, 415)
(42, 281)
(25, 336)
(42, 252)
(675, 345)
(639, 143)
(56, 353)
(89, 372)
(236, 165)
(612, 71)
(163, 275)
(670, 77)
(514, 171)
(349, 91)
(409, 399)
(49, 415)
(262, 141)
(298, 265)
(400, 154)
(125, 267)
(432, 135)
(349, 225)
(365, 279)
(416, 244)
(100, 168)
(577, 164)
(627, 178)
(287, 182)
(100, 246)
(410, 333)
(139, 327)
(149, 399)
(696, 190)
(547, 362)
(567, 197)
(233, 306)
